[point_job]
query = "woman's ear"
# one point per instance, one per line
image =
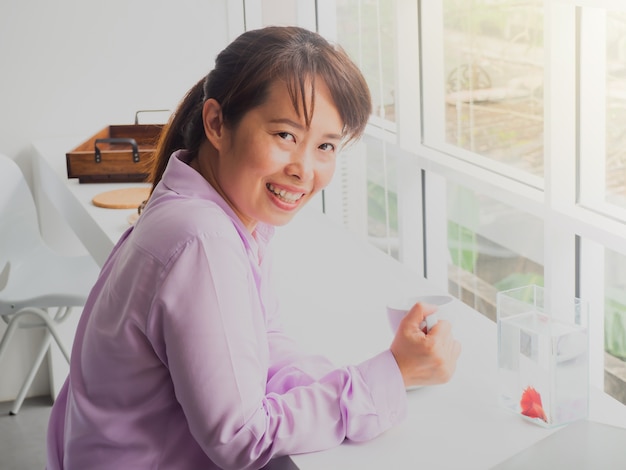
(213, 122)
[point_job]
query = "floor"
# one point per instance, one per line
(23, 437)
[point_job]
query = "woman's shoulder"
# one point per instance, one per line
(166, 226)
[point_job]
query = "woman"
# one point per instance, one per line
(179, 360)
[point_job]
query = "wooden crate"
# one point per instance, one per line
(119, 153)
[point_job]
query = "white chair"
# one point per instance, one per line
(33, 277)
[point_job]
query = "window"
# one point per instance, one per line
(492, 247)
(486, 87)
(495, 154)
(493, 71)
(367, 33)
(603, 109)
(615, 324)
(616, 108)
(509, 134)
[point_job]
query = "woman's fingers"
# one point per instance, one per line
(425, 358)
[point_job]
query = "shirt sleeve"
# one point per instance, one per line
(371, 395)
(243, 405)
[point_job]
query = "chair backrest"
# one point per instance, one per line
(19, 227)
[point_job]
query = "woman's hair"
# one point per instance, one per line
(242, 76)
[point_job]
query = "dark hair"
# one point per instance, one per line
(242, 76)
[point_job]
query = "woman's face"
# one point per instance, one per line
(271, 164)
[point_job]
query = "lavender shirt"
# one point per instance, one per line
(179, 361)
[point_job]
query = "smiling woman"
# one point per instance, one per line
(242, 77)
(272, 162)
(179, 359)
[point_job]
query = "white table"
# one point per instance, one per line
(334, 288)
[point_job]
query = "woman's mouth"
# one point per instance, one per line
(284, 195)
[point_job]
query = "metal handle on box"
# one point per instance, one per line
(116, 140)
(149, 111)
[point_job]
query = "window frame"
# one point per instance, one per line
(577, 229)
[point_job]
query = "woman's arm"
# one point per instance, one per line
(242, 407)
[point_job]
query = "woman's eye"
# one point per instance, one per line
(327, 147)
(286, 136)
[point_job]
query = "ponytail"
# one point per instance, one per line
(183, 131)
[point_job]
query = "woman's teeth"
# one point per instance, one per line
(285, 195)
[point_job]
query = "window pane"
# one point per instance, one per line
(382, 196)
(616, 108)
(366, 30)
(366, 181)
(493, 60)
(615, 325)
(492, 247)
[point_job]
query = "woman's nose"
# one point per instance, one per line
(301, 165)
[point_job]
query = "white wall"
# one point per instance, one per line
(72, 67)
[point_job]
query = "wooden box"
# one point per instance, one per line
(120, 153)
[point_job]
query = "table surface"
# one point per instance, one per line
(334, 288)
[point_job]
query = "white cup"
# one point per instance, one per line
(397, 309)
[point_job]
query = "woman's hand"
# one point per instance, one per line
(425, 358)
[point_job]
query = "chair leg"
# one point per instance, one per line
(8, 334)
(52, 330)
(50, 333)
(28, 381)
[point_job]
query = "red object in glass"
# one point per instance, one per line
(531, 404)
